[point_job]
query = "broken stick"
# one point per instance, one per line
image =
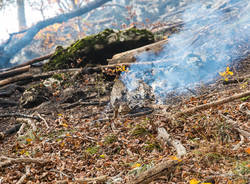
(165, 168)
(9, 161)
(15, 71)
(130, 56)
(212, 104)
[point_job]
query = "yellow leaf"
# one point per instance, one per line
(62, 144)
(226, 79)
(194, 181)
(102, 156)
(135, 165)
(22, 152)
(175, 158)
(65, 125)
(222, 74)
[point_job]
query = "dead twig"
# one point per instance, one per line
(10, 131)
(97, 179)
(9, 161)
(15, 71)
(237, 146)
(235, 126)
(80, 102)
(44, 120)
(15, 79)
(165, 168)
(212, 104)
(180, 149)
(19, 115)
(27, 173)
(42, 58)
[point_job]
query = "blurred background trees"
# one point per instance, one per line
(115, 14)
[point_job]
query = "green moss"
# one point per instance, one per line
(151, 146)
(96, 49)
(242, 168)
(214, 157)
(245, 98)
(139, 131)
(110, 139)
(92, 150)
(58, 76)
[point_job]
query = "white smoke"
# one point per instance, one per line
(213, 36)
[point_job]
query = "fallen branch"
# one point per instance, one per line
(10, 131)
(237, 146)
(30, 77)
(235, 126)
(44, 120)
(212, 104)
(130, 56)
(15, 79)
(180, 149)
(27, 173)
(165, 168)
(97, 179)
(84, 103)
(7, 103)
(9, 90)
(9, 161)
(19, 115)
(14, 72)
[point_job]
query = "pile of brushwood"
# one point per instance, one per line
(57, 124)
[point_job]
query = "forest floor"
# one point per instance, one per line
(81, 142)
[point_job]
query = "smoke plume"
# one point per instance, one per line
(213, 36)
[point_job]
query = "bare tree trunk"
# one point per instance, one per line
(21, 14)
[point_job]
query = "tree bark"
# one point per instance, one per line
(21, 14)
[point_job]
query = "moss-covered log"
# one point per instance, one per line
(96, 49)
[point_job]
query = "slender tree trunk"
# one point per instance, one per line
(21, 14)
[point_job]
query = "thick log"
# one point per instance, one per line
(130, 56)
(30, 62)
(15, 79)
(14, 72)
(29, 77)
